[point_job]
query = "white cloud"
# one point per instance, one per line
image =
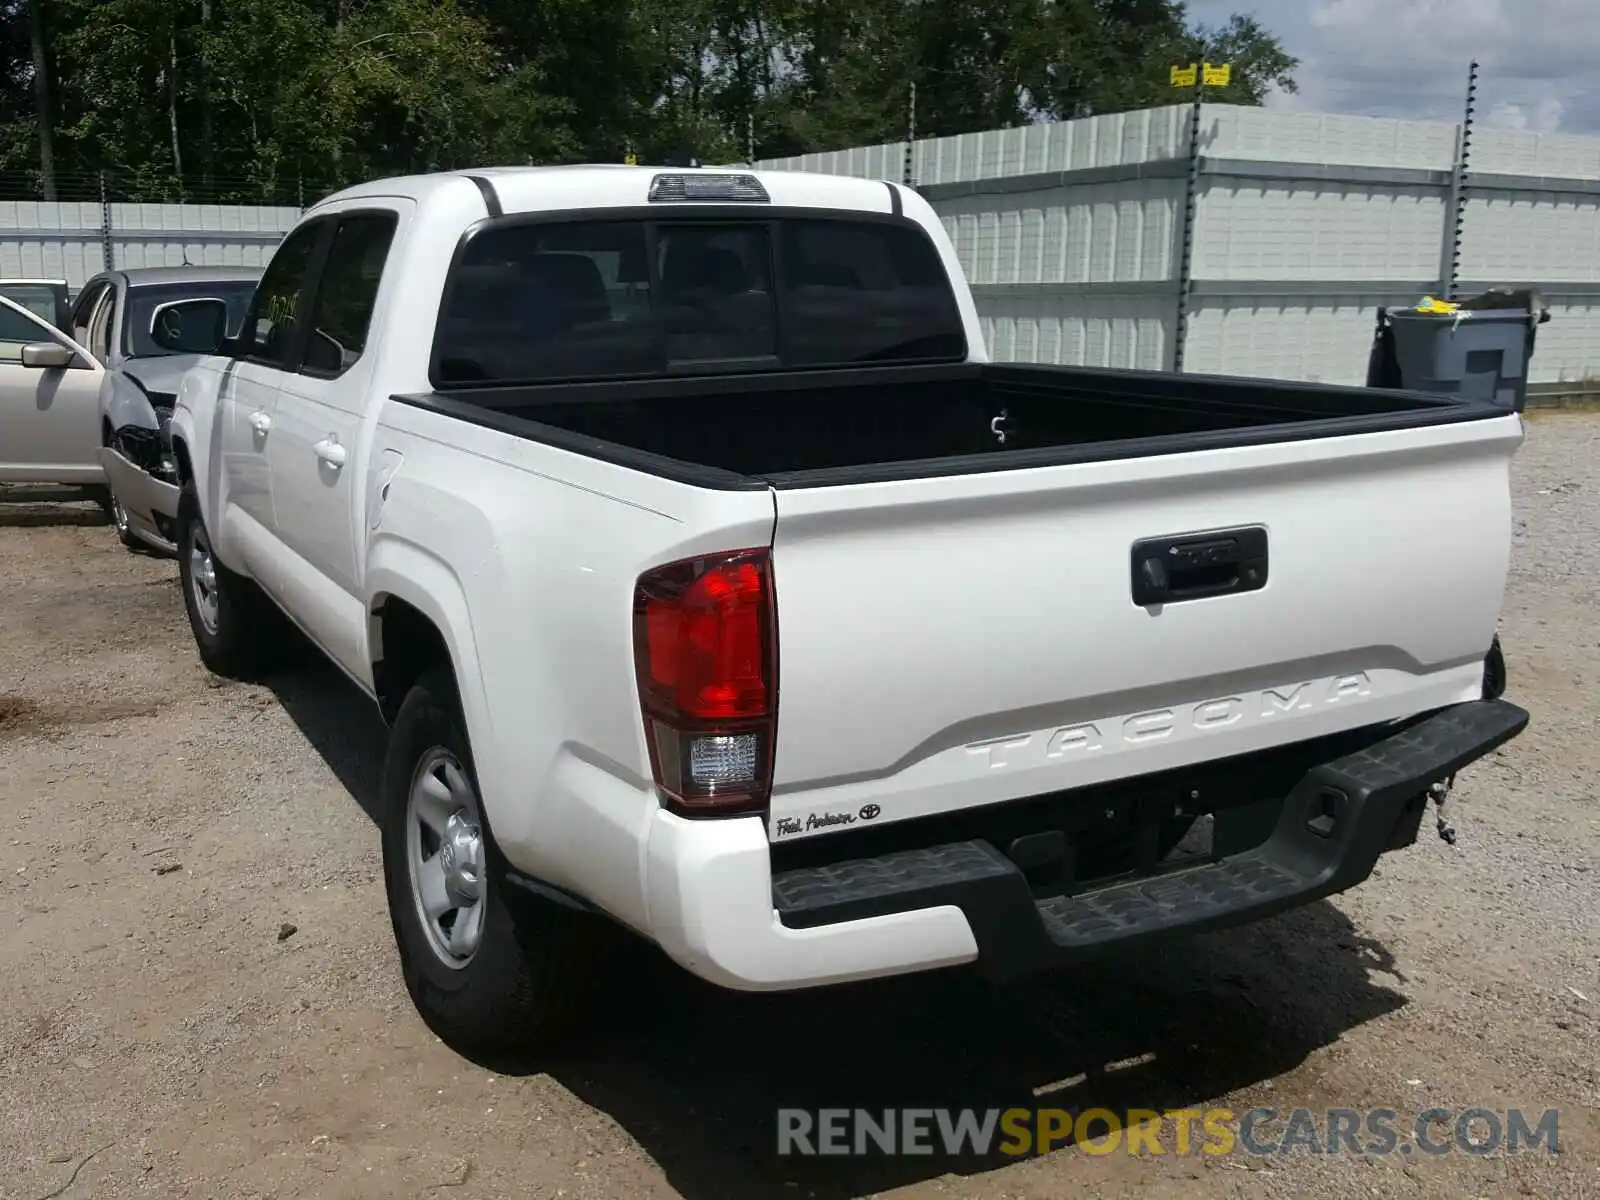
(1543, 117)
(1539, 59)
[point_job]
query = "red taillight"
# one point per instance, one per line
(705, 648)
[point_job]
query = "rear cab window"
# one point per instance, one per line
(547, 301)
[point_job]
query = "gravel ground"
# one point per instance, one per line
(198, 994)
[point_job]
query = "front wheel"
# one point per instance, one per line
(119, 519)
(484, 974)
(236, 628)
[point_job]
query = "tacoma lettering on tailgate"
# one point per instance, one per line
(1159, 724)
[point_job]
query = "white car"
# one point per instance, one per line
(715, 586)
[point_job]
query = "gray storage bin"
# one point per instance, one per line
(1481, 352)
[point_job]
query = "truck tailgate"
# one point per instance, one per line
(954, 641)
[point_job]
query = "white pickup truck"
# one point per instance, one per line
(717, 588)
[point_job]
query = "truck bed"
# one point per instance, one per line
(852, 426)
(1190, 569)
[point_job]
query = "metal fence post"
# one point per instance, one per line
(1455, 209)
(107, 249)
(907, 176)
(1191, 197)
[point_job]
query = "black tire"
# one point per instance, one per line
(248, 634)
(115, 512)
(119, 521)
(536, 962)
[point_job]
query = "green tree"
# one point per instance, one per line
(1259, 61)
(269, 100)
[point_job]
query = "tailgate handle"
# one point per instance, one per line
(1193, 566)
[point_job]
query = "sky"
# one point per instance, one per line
(1539, 60)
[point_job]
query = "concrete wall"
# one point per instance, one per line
(70, 241)
(1071, 234)
(1305, 224)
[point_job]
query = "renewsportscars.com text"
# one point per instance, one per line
(1257, 1132)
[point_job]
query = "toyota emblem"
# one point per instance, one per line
(869, 811)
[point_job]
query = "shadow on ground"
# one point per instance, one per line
(697, 1075)
(24, 505)
(29, 515)
(341, 723)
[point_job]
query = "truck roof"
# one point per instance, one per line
(613, 185)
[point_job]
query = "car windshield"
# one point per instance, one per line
(143, 301)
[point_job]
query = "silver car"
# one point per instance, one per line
(113, 318)
(50, 388)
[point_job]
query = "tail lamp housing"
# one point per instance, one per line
(706, 655)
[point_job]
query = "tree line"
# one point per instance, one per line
(277, 100)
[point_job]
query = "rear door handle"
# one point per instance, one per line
(1193, 566)
(260, 421)
(330, 452)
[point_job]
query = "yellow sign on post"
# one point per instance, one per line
(1203, 75)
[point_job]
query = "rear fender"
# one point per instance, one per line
(406, 571)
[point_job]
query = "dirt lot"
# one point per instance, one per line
(163, 1032)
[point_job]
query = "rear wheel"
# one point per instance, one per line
(237, 629)
(486, 971)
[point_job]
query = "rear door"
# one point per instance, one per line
(49, 416)
(959, 641)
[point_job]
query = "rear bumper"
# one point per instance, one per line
(717, 908)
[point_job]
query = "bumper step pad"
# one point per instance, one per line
(1171, 900)
(1331, 830)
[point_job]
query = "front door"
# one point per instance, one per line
(268, 346)
(49, 415)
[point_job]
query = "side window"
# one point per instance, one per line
(270, 324)
(83, 311)
(347, 292)
(18, 329)
(101, 324)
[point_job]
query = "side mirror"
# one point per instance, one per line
(198, 326)
(48, 356)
